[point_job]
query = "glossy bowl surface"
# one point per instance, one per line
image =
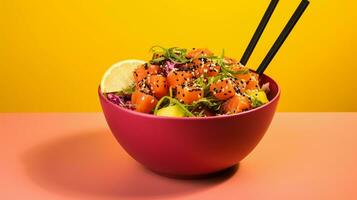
(190, 146)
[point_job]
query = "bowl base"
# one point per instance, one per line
(224, 173)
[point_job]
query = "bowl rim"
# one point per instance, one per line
(146, 115)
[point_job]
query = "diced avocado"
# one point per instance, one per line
(171, 111)
(258, 98)
(262, 97)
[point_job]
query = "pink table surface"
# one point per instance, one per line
(74, 156)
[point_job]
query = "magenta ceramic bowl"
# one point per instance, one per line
(190, 146)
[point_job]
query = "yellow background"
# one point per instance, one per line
(53, 53)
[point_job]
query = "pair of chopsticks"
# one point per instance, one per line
(279, 41)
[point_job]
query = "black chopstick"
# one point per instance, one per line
(258, 32)
(283, 35)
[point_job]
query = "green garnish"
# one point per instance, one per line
(157, 60)
(209, 102)
(129, 90)
(206, 82)
(225, 67)
(172, 101)
(175, 54)
(243, 71)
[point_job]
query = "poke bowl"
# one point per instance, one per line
(190, 146)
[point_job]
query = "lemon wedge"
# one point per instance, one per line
(119, 76)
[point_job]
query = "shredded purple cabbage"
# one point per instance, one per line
(168, 67)
(120, 100)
